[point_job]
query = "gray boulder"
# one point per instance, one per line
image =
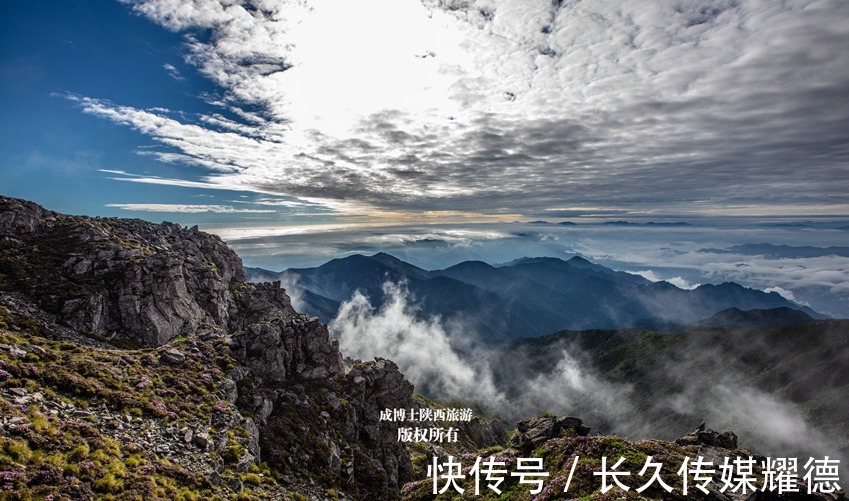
(531, 433)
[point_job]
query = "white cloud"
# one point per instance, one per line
(682, 106)
(421, 348)
(681, 283)
(289, 281)
(186, 208)
(676, 281)
(786, 294)
(173, 182)
(236, 234)
(173, 72)
(444, 359)
(275, 202)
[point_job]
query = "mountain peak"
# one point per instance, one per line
(385, 256)
(398, 265)
(580, 261)
(530, 260)
(471, 265)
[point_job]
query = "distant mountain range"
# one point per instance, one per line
(616, 223)
(780, 251)
(527, 297)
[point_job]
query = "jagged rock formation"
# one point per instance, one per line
(137, 284)
(531, 433)
(701, 436)
(117, 278)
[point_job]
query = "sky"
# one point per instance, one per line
(327, 125)
(384, 110)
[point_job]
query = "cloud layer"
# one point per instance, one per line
(444, 361)
(186, 208)
(700, 107)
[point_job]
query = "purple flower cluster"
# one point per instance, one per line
(9, 478)
(48, 475)
(552, 489)
(411, 486)
(166, 392)
(144, 382)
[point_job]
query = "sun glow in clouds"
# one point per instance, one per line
(409, 106)
(352, 59)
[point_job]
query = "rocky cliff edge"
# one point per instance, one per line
(221, 388)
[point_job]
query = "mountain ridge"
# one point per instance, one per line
(551, 294)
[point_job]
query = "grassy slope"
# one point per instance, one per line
(57, 443)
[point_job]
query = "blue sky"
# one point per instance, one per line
(54, 153)
(51, 152)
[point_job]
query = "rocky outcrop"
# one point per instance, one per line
(328, 429)
(702, 436)
(480, 434)
(275, 342)
(136, 284)
(372, 387)
(20, 217)
(120, 279)
(531, 433)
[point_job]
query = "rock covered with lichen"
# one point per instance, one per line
(531, 433)
(121, 279)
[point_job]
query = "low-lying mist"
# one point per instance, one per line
(445, 359)
(421, 348)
